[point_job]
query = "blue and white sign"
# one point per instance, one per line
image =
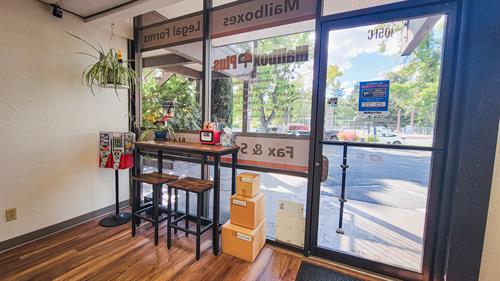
(374, 97)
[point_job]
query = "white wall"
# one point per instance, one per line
(490, 263)
(49, 121)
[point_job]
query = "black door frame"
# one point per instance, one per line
(394, 12)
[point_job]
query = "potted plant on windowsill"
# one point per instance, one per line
(163, 130)
(109, 71)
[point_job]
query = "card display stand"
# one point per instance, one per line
(116, 152)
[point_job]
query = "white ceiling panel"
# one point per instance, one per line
(181, 8)
(85, 8)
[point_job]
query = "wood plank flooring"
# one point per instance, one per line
(91, 252)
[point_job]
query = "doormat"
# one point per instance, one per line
(311, 272)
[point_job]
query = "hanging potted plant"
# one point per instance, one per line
(109, 71)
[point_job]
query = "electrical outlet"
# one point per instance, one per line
(11, 214)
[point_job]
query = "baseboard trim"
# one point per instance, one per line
(49, 230)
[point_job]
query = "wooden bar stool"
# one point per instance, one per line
(199, 187)
(157, 180)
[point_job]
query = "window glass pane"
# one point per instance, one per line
(340, 6)
(172, 67)
(161, 86)
(383, 217)
(269, 94)
(385, 88)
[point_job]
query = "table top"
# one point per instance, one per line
(187, 147)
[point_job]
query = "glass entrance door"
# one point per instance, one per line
(378, 141)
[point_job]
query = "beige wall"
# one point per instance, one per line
(490, 263)
(49, 122)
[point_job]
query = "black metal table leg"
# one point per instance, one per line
(134, 208)
(206, 203)
(118, 218)
(198, 223)
(160, 170)
(156, 213)
(187, 213)
(176, 196)
(233, 171)
(169, 220)
(215, 233)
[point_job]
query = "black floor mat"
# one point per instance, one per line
(311, 272)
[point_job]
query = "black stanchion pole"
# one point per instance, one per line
(118, 218)
(117, 194)
(342, 198)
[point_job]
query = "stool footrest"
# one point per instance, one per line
(182, 217)
(205, 228)
(160, 219)
(191, 218)
(144, 208)
(183, 229)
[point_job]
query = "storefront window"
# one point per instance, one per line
(265, 85)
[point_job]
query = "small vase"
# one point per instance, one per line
(161, 136)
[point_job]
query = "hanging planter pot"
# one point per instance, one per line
(110, 83)
(109, 71)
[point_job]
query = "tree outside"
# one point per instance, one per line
(222, 102)
(182, 91)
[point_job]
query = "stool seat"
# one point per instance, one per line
(155, 178)
(191, 185)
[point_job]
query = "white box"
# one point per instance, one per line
(290, 208)
(290, 223)
(290, 229)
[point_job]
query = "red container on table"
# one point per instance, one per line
(209, 136)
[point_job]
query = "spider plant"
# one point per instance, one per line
(110, 71)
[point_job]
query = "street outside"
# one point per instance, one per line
(386, 192)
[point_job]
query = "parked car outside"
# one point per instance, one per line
(390, 138)
(299, 133)
(331, 135)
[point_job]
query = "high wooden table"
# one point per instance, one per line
(204, 151)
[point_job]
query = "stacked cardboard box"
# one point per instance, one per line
(244, 235)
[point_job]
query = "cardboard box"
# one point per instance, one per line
(290, 229)
(242, 242)
(248, 184)
(247, 211)
(290, 223)
(290, 208)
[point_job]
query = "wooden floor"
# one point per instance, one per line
(91, 252)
